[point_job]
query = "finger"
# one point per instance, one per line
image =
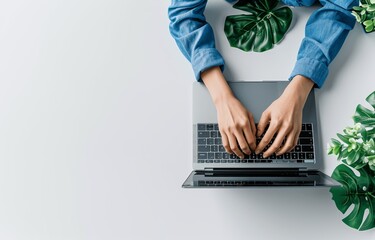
(253, 131)
(249, 137)
(241, 140)
(225, 142)
(291, 141)
(234, 146)
(263, 123)
(273, 128)
(276, 143)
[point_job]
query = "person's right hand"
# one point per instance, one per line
(236, 125)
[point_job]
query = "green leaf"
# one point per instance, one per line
(343, 138)
(371, 98)
(260, 30)
(371, 8)
(356, 15)
(357, 8)
(369, 28)
(368, 23)
(362, 111)
(357, 191)
(363, 18)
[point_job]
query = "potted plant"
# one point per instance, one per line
(365, 14)
(355, 148)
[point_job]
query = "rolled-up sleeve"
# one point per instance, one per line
(325, 33)
(193, 35)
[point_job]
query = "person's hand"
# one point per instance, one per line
(284, 118)
(236, 123)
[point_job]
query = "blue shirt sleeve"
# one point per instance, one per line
(325, 33)
(193, 35)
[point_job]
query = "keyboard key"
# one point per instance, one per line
(223, 161)
(287, 155)
(203, 148)
(218, 155)
(202, 155)
(225, 155)
(210, 127)
(201, 141)
(216, 127)
(203, 134)
(221, 148)
(308, 126)
(218, 141)
(243, 161)
(310, 155)
(297, 148)
(200, 161)
(209, 161)
(294, 155)
(273, 156)
(230, 161)
(210, 155)
(303, 126)
(214, 148)
(216, 161)
(306, 141)
(253, 156)
(305, 134)
(213, 134)
(210, 141)
(307, 148)
(232, 156)
(280, 157)
(201, 126)
(302, 156)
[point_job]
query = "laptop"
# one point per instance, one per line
(214, 168)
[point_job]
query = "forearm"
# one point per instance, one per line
(325, 33)
(216, 84)
(193, 35)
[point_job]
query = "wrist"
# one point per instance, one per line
(300, 87)
(216, 84)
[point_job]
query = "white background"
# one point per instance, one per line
(95, 127)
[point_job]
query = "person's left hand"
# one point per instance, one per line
(284, 118)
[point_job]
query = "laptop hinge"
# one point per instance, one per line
(254, 169)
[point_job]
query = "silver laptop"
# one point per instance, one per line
(213, 167)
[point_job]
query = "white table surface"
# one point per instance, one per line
(95, 127)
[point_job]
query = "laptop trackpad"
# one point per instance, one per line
(258, 178)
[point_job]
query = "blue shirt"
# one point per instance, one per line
(325, 33)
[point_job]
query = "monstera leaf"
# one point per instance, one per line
(366, 116)
(259, 30)
(358, 191)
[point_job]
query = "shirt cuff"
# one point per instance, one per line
(205, 59)
(311, 68)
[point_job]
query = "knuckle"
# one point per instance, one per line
(289, 146)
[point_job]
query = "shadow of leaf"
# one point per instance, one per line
(358, 191)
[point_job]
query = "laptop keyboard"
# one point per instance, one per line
(211, 150)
